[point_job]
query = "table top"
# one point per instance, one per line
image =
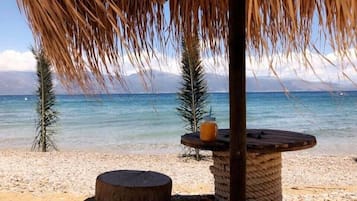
(258, 141)
(134, 178)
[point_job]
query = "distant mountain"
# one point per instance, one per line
(269, 84)
(14, 83)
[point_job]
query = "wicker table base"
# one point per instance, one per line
(263, 176)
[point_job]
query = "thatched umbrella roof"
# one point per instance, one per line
(91, 35)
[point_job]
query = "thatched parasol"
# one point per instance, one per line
(81, 36)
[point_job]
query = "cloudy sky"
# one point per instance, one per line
(16, 38)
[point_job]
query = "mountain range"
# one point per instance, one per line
(24, 83)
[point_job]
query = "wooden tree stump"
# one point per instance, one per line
(131, 185)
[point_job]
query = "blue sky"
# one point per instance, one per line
(15, 33)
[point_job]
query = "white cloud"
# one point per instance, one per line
(11, 60)
(319, 68)
(291, 68)
(160, 62)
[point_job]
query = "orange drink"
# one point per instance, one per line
(208, 130)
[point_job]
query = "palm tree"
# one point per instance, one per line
(192, 96)
(47, 115)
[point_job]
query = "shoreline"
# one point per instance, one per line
(321, 149)
(71, 175)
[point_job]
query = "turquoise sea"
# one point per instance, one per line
(149, 122)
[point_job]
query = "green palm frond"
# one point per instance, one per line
(47, 115)
(192, 96)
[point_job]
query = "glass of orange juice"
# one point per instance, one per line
(208, 129)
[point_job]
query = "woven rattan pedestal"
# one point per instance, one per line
(263, 176)
(264, 147)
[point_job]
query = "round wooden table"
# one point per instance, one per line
(264, 147)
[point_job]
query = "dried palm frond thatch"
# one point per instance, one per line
(81, 36)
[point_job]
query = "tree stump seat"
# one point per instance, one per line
(133, 185)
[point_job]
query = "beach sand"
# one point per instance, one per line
(34, 176)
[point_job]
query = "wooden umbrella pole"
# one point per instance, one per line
(237, 99)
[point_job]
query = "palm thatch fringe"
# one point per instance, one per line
(81, 36)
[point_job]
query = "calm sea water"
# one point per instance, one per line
(150, 123)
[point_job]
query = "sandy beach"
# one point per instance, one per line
(34, 176)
